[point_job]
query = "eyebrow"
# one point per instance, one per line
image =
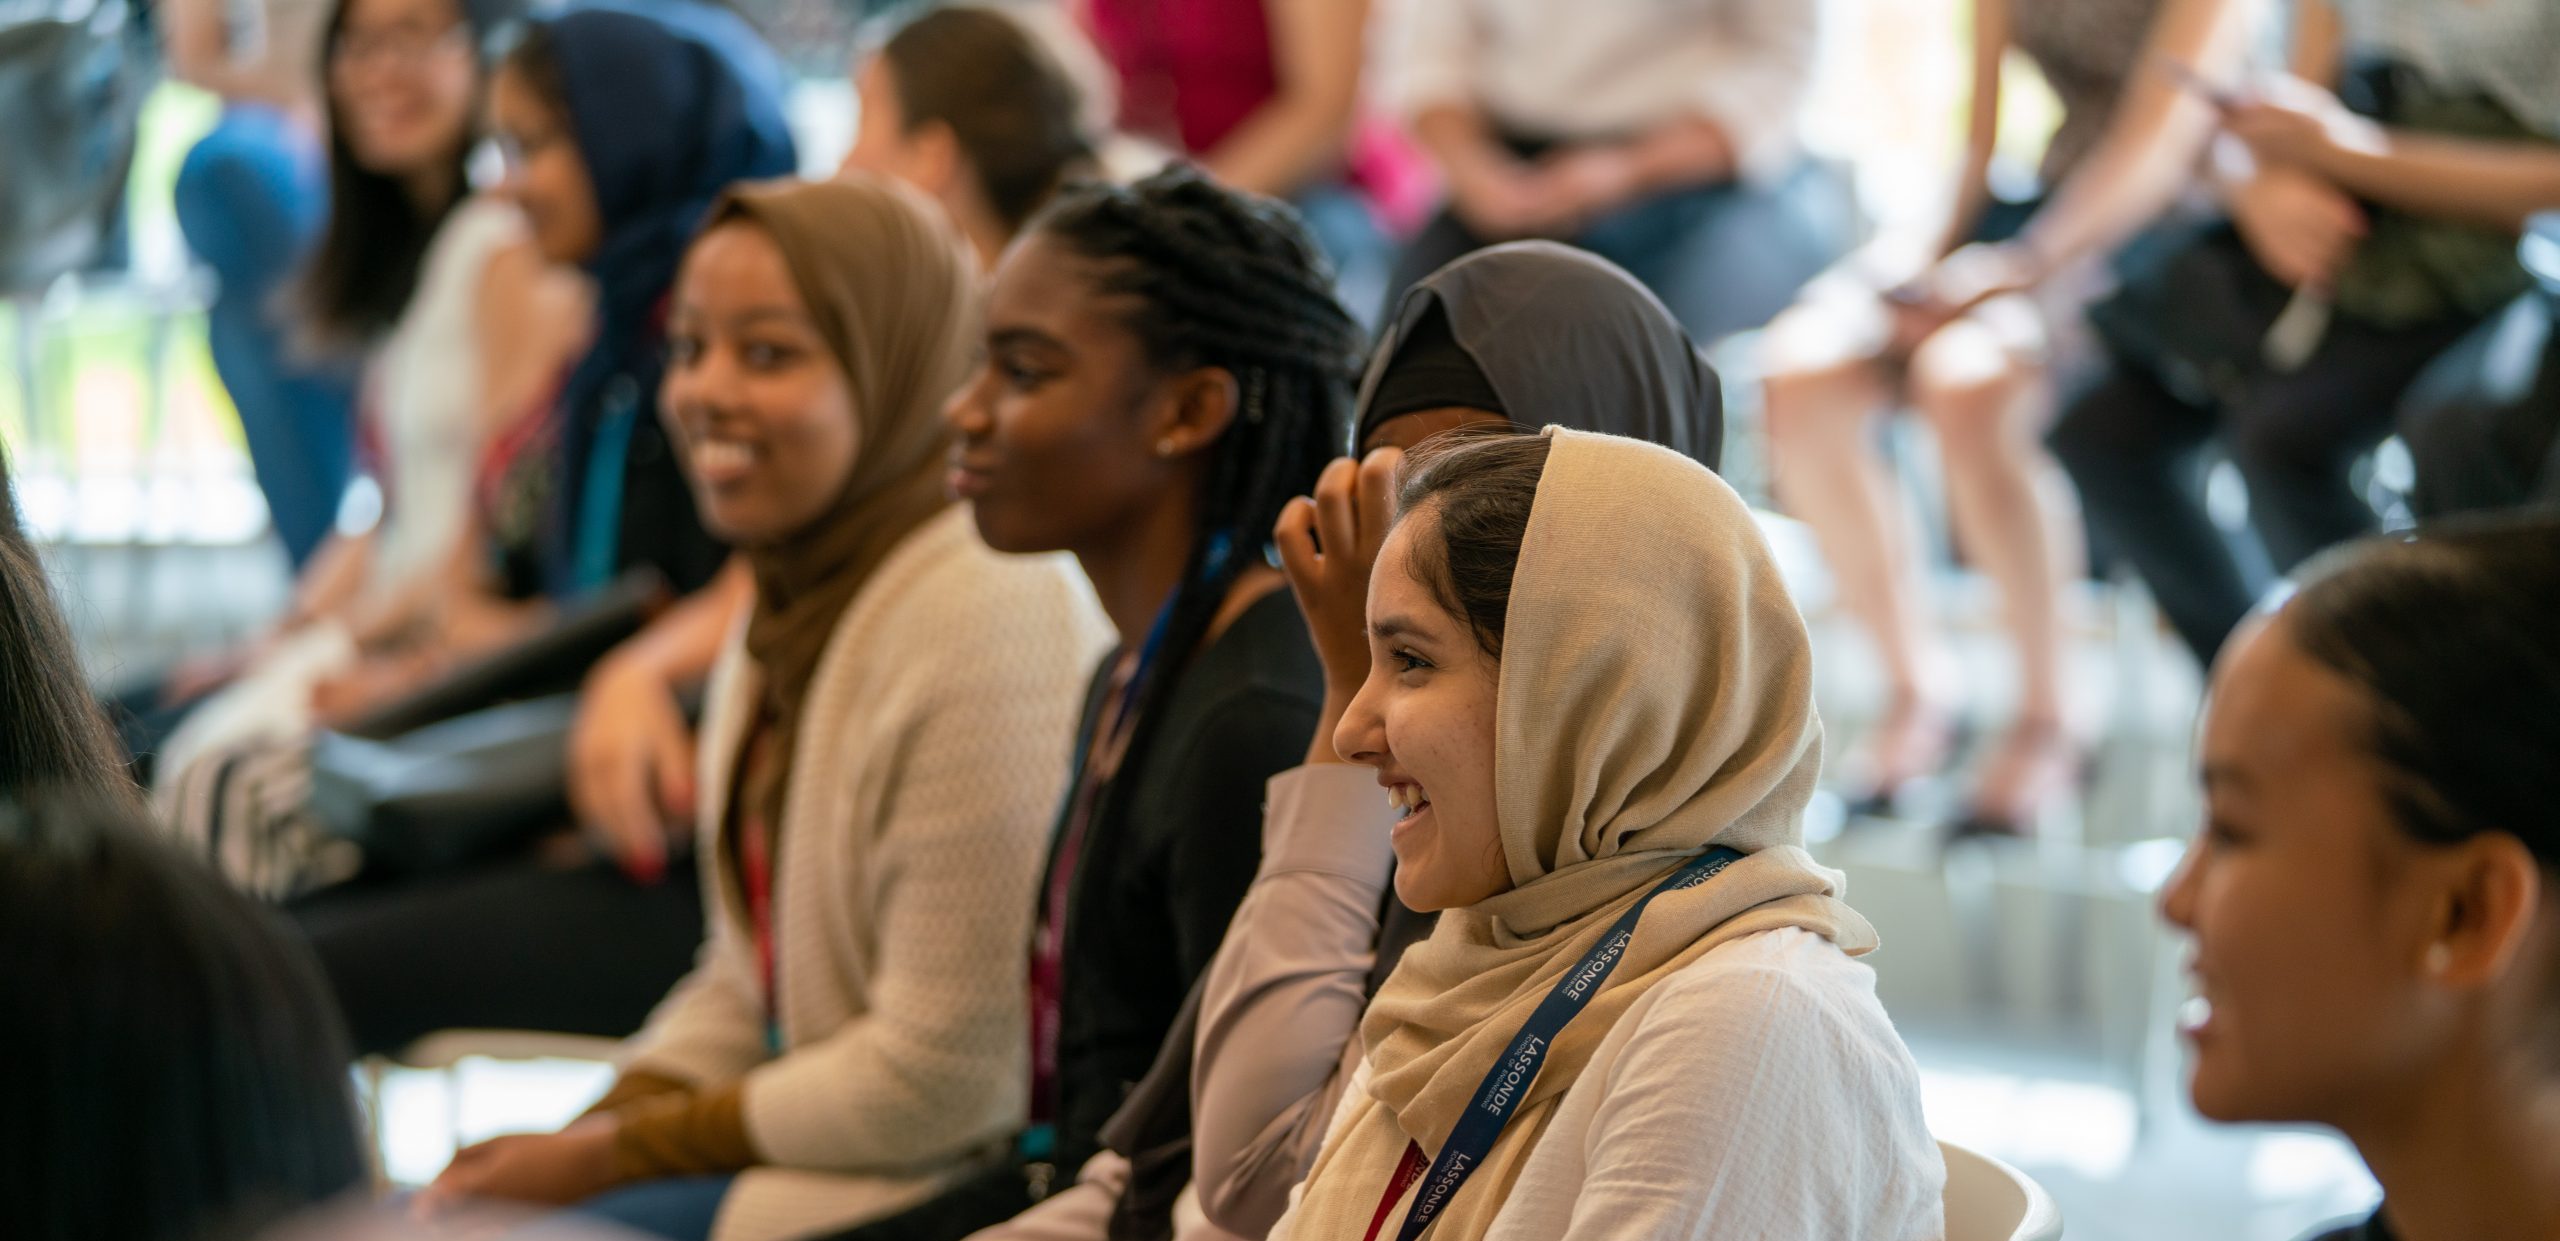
(1010, 336)
(2222, 775)
(755, 314)
(1396, 626)
(762, 314)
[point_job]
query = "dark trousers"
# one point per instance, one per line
(983, 1201)
(522, 944)
(2483, 423)
(2132, 448)
(1724, 258)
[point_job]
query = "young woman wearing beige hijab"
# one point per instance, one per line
(1591, 698)
(879, 756)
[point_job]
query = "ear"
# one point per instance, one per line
(1197, 407)
(2486, 916)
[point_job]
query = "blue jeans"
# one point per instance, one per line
(251, 199)
(1723, 258)
(1346, 227)
(679, 1208)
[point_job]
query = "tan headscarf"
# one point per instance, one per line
(1656, 698)
(892, 289)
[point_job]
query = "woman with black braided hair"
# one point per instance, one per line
(1166, 368)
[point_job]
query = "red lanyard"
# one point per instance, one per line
(1048, 949)
(1407, 1173)
(755, 877)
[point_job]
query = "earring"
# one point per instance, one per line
(2439, 958)
(1253, 396)
(1167, 446)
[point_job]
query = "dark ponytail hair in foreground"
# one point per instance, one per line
(1230, 280)
(180, 1073)
(2455, 633)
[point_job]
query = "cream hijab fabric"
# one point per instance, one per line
(1655, 698)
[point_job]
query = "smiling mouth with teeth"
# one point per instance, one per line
(721, 455)
(1407, 800)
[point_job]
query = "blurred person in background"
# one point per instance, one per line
(1663, 138)
(2375, 199)
(252, 197)
(1976, 343)
(2374, 899)
(464, 329)
(1270, 96)
(621, 129)
(967, 103)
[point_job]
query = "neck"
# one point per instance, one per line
(1134, 574)
(987, 235)
(2470, 1153)
(431, 190)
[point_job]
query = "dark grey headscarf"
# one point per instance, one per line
(1566, 338)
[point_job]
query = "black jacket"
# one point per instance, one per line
(1173, 845)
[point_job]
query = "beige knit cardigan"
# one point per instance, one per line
(933, 752)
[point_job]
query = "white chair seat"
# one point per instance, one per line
(447, 1048)
(1988, 1200)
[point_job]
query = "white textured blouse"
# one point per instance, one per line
(1759, 1092)
(1555, 69)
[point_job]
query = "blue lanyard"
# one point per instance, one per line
(1508, 1083)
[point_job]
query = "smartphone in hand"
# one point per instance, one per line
(2222, 97)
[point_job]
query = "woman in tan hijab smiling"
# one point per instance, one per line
(1591, 699)
(878, 761)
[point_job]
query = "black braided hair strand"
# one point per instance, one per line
(1232, 280)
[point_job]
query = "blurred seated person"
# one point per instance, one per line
(620, 131)
(187, 1075)
(464, 330)
(252, 198)
(1976, 343)
(966, 103)
(1268, 96)
(2483, 423)
(2375, 894)
(2373, 223)
(1662, 137)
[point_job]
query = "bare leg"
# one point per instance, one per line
(1975, 383)
(1823, 397)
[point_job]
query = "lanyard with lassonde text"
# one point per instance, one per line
(1508, 1083)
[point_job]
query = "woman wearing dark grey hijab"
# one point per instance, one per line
(1533, 334)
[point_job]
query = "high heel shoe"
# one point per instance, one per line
(1911, 744)
(2035, 763)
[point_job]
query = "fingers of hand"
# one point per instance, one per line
(675, 757)
(1377, 502)
(1337, 516)
(1295, 535)
(629, 824)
